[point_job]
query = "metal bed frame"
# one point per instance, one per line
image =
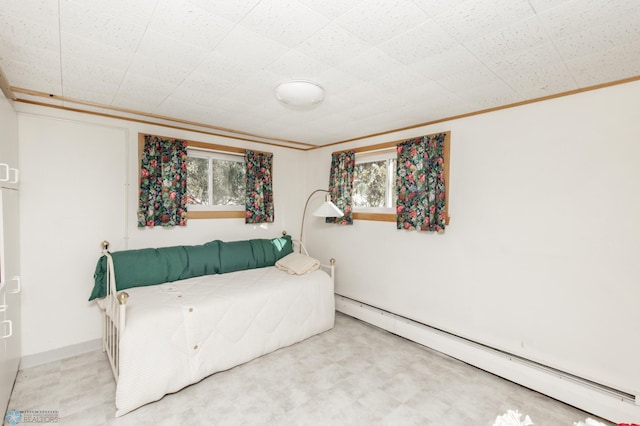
(114, 307)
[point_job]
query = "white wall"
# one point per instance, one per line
(72, 197)
(9, 132)
(541, 255)
(79, 187)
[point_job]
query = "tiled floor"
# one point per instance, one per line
(354, 374)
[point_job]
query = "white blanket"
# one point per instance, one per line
(178, 333)
(298, 263)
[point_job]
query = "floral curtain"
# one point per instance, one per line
(163, 183)
(420, 185)
(259, 190)
(341, 185)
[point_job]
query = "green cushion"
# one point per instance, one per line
(236, 256)
(203, 260)
(279, 247)
(135, 268)
(251, 254)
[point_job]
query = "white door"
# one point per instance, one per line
(10, 350)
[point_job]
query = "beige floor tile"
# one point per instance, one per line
(355, 374)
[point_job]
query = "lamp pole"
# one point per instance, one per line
(304, 213)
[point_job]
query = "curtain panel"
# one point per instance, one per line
(341, 185)
(163, 183)
(259, 187)
(420, 184)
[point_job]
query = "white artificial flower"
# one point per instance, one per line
(513, 418)
(589, 422)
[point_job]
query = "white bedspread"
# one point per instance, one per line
(178, 333)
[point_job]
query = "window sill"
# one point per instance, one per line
(215, 214)
(380, 217)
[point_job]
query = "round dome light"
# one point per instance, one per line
(299, 93)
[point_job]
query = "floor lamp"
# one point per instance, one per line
(326, 209)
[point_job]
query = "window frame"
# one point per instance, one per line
(385, 154)
(391, 217)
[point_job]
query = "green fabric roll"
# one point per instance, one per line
(236, 256)
(136, 268)
(203, 260)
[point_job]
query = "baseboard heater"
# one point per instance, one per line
(601, 400)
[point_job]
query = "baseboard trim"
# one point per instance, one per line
(618, 408)
(34, 360)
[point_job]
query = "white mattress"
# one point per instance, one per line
(178, 333)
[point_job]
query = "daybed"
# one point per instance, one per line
(191, 311)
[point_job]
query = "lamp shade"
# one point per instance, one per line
(328, 209)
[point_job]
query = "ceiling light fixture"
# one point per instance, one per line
(300, 94)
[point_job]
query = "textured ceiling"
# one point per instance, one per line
(384, 64)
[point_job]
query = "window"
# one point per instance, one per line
(375, 175)
(215, 181)
(374, 182)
